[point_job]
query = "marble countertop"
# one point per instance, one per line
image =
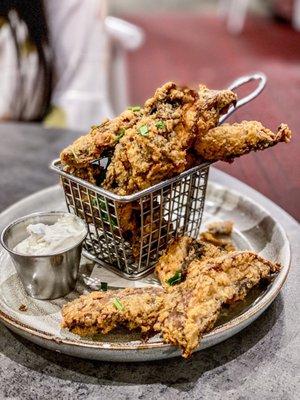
(261, 362)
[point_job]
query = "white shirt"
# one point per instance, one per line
(79, 45)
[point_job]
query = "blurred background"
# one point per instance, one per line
(71, 63)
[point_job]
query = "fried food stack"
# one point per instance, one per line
(174, 130)
(198, 278)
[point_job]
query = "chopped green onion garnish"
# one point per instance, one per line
(176, 278)
(121, 133)
(119, 306)
(103, 286)
(160, 124)
(144, 130)
(134, 108)
(106, 216)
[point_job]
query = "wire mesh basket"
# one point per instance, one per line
(166, 210)
(163, 211)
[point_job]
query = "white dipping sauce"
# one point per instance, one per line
(48, 239)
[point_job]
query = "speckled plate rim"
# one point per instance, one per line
(267, 298)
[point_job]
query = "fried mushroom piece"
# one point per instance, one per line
(92, 173)
(178, 256)
(103, 137)
(212, 104)
(193, 307)
(219, 234)
(147, 145)
(226, 141)
(220, 227)
(101, 312)
(158, 146)
(220, 241)
(171, 105)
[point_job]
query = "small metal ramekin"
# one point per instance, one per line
(45, 276)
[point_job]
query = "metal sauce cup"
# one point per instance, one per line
(45, 276)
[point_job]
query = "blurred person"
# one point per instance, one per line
(53, 62)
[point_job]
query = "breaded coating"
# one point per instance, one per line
(221, 241)
(128, 217)
(220, 227)
(171, 105)
(213, 104)
(154, 233)
(178, 256)
(183, 250)
(101, 312)
(226, 141)
(91, 173)
(103, 137)
(181, 314)
(192, 308)
(158, 146)
(175, 130)
(144, 157)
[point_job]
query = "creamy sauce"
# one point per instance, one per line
(48, 239)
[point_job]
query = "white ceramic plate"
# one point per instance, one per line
(254, 229)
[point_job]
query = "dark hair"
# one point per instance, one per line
(32, 13)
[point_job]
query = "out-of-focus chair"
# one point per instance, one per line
(235, 12)
(296, 15)
(123, 36)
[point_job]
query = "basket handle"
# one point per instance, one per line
(258, 76)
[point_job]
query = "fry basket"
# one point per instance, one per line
(168, 209)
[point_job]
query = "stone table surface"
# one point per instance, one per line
(261, 362)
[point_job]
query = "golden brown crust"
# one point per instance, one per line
(140, 161)
(100, 138)
(192, 308)
(184, 249)
(222, 242)
(96, 312)
(220, 227)
(175, 122)
(91, 173)
(183, 313)
(173, 117)
(212, 104)
(226, 141)
(178, 256)
(143, 159)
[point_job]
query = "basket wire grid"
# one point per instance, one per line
(162, 212)
(166, 210)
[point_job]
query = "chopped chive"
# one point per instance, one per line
(119, 306)
(106, 217)
(103, 286)
(176, 278)
(144, 130)
(160, 124)
(120, 134)
(134, 108)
